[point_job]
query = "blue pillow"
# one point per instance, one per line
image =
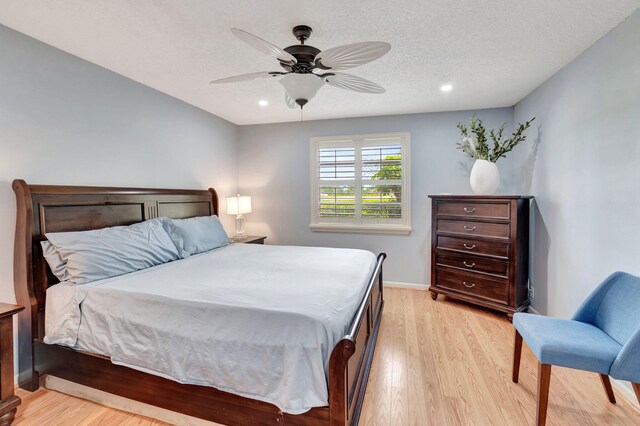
(196, 235)
(108, 252)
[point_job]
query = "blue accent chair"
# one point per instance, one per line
(603, 337)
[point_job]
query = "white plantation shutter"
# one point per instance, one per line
(382, 180)
(336, 179)
(361, 183)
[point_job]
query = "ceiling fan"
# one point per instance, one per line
(307, 68)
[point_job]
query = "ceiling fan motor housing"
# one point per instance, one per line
(304, 54)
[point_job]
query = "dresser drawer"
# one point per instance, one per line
(483, 229)
(473, 284)
(474, 209)
(472, 263)
(468, 245)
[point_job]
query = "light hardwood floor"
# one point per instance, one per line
(436, 363)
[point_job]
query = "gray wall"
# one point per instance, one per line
(585, 171)
(273, 163)
(66, 121)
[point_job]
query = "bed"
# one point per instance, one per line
(43, 209)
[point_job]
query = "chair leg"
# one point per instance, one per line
(636, 388)
(517, 352)
(607, 388)
(544, 380)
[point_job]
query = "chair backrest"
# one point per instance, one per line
(618, 313)
(614, 307)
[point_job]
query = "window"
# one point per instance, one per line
(361, 183)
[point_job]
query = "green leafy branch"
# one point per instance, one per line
(476, 145)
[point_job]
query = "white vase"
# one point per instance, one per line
(485, 177)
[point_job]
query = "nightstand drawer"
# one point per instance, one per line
(474, 209)
(468, 245)
(474, 284)
(474, 229)
(469, 262)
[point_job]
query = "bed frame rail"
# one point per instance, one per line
(352, 357)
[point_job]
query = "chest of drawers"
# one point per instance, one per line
(480, 250)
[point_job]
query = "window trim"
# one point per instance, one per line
(403, 227)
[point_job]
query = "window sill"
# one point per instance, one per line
(360, 229)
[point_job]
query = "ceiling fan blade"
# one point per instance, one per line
(289, 101)
(352, 82)
(264, 46)
(351, 55)
(246, 77)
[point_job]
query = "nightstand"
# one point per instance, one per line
(250, 239)
(8, 401)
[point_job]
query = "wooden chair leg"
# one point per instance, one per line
(544, 380)
(517, 352)
(636, 388)
(606, 383)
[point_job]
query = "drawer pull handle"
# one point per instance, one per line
(468, 210)
(469, 265)
(468, 285)
(466, 228)
(469, 247)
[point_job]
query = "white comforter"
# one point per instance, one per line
(257, 321)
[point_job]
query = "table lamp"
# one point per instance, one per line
(238, 206)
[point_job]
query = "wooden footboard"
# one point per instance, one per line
(62, 208)
(351, 358)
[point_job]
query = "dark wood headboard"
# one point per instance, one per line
(48, 208)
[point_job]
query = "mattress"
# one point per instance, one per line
(257, 321)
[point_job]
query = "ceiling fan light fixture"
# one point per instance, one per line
(301, 87)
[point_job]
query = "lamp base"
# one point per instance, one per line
(240, 228)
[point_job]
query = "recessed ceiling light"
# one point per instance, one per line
(263, 103)
(446, 87)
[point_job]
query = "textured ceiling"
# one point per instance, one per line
(493, 52)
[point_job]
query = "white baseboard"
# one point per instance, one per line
(411, 286)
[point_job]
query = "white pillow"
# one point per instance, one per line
(108, 252)
(57, 265)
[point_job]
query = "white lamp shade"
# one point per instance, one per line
(302, 86)
(238, 204)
